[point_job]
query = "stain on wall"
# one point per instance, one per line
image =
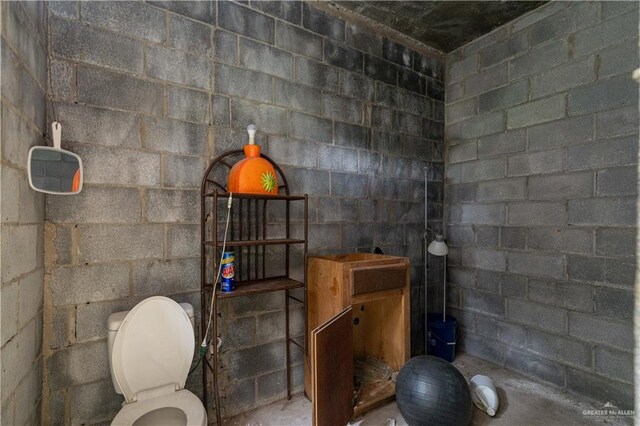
(541, 191)
(24, 73)
(148, 93)
(444, 25)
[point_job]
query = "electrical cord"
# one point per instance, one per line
(195, 366)
(203, 346)
(201, 355)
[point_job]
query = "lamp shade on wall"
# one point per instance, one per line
(438, 247)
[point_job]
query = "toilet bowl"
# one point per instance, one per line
(150, 353)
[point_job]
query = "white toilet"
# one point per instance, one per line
(150, 353)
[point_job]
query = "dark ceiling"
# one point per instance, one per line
(444, 25)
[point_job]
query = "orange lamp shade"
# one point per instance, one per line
(253, 174)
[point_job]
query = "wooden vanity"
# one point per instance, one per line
(358, 331)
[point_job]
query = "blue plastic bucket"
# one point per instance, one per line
(441, 337)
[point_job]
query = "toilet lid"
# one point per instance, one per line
(153, 347)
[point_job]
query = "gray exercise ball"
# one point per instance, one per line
(430, 391)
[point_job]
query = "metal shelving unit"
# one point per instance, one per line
(248, 239)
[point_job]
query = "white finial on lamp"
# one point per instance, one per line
(251, 129)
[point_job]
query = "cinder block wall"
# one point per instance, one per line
(148, 93)
(23, 76)
(541, 186)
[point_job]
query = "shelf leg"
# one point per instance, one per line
(214, 359)
(203, 325)
(288, 343)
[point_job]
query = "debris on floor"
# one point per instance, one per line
(372, 379)
(372, 369)
(484, 394)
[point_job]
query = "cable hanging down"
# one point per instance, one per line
(203, 345)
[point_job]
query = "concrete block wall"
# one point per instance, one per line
(541, 189)
(23, 104)
(148, 93)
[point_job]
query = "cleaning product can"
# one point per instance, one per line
(228, 271)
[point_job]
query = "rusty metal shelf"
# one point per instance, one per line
(296, 343)
(252, 243)
(244, 288)
(248, 229)
(223, 196)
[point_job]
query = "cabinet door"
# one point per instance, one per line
(332, 371)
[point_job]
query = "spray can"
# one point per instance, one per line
(228, 271)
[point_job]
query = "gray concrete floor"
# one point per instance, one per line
(522, 402)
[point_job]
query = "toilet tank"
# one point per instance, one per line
(113, 325)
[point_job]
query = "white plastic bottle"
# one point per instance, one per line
(483, 394)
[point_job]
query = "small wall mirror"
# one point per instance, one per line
(54, 170)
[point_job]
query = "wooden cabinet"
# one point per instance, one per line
(358, 321)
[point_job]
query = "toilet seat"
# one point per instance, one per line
(151, 356)
(153, 348)
(183, 400)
